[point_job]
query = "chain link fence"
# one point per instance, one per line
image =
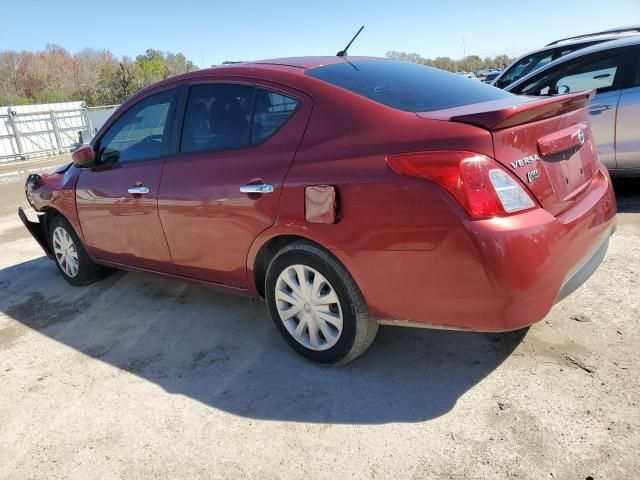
(28, 131)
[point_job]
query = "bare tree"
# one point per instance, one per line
(95, 76)
(10, 87)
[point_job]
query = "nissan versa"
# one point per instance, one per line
(346, 191)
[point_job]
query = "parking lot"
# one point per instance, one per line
(140, 376)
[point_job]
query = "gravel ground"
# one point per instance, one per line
(137, 377)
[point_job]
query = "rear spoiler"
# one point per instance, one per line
(513, 110)
(526, 112)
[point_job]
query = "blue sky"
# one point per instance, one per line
(208, 32)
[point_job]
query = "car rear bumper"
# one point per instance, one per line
(491, 275)
(584, 270)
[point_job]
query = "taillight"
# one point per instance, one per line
(481, 185)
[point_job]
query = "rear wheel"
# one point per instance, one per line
(70, 255)
(316, 305)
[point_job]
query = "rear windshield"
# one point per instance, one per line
(406, 86)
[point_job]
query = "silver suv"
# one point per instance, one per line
(532, 61)
(612, 69)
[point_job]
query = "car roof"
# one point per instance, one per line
(612, 33)
(310, 62)
(292, 68)
(600, 37)
(292, 65)
(303, 63)
(600, 47)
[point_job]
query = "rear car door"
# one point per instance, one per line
(222, 189)
(628, 115)
(117, 199)
(602, 72)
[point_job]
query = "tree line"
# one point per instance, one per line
(470, 63)
(96, 77)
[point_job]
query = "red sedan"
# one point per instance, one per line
(346, 191)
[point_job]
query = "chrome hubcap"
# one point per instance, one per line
(65, 252)
(309, 307)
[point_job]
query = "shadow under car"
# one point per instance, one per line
(222, 350)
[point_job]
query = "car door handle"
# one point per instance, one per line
(138, 190)
(598, 108)
(258, 188)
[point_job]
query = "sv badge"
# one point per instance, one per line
(533, 175)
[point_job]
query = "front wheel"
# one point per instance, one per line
(71, 258)
(316, 305)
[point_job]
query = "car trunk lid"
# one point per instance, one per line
(546, 143)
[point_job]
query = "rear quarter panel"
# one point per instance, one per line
(345, 145)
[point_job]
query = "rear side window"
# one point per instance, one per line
(406, 86)
(225, 116)
(598, 75)
(571, 77)
(271, 111)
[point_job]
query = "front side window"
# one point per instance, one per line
(597, 74)
(217, 117)
(226, 116)
(140, 133)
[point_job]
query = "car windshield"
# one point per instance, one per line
(406, 86)
(536, 61)
(524, 67)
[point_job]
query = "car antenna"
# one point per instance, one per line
(342, 53)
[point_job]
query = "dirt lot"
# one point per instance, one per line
(137, 377)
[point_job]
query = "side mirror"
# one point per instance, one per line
(562, 89)
(84, 156)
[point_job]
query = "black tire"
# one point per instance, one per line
(87, 270)
(358, 328)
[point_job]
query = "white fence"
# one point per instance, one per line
(47, 129)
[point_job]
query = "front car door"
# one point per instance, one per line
(222, 189)
(602, 72)
(117, 199)
(628, 116)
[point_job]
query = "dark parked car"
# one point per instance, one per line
(346, 191)
(533, 61)
(491, 77)
(612, 69)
